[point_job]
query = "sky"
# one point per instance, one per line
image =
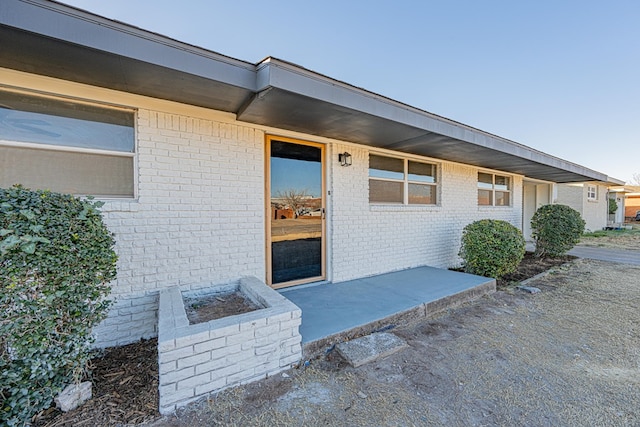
(560, 76)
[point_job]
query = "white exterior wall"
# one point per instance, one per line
(594, 212)
(198, 218)
(570, 195)
(196, 360)
(372, 239)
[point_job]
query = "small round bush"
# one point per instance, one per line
(491, 248)
(56, 263)
(556, 229)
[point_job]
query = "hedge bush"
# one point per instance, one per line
(556, 229)
(57, 260)
(491, 248)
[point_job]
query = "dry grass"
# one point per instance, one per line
(614, 239)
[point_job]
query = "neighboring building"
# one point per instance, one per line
(631, 201)
(619, 195)
(187, 148)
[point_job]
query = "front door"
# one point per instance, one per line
(296, 208)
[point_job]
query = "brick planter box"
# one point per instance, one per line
(196, 360)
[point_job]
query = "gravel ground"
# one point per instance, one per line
(568, 356)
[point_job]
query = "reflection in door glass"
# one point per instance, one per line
(296, 212)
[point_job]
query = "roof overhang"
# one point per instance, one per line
(55, 40)
(611, 181)
(291, 97)
(52, 39)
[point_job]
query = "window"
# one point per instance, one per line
(494, 190)
(66, 146)
(401, 181)
(592, 192)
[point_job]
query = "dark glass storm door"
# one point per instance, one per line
(296, 212)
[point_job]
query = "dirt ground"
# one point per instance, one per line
(204, 309)
(569, 355)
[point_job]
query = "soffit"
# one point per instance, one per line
(290, 97)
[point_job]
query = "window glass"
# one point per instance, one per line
(385, 191)
(493, 190)
(391, 177)
(485, 180)
(25, 118)
(502, 183)
(422, 172)
(420, 194)
(61, 131)
(386, 167)
(66, 172)
(502, 198)
(485, 197)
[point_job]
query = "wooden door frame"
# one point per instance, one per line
(267, 192)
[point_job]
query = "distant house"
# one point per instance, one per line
(187, 148)
(631, 201)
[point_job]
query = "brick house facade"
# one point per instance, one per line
(195, 210)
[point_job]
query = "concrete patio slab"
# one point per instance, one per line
(370, 347)
(336, 312)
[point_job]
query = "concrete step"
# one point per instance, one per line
(370, 347)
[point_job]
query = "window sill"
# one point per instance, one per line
(403, 208)
(492, 208)
(119, 204)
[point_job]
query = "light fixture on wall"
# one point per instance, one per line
(345, 159)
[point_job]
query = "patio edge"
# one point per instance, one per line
(314, 349)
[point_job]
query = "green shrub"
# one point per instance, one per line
(491, 248)
(613, 206)
(556, 229)
(56, 263)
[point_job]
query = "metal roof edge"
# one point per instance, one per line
(83, 28)
(274, 72)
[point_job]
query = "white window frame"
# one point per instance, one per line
(592, 192)
(435, 186)
(72, 149)
(495, 190)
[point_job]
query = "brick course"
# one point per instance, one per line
(199, 220)
(196, 360)
(374, 239)
(192, 225)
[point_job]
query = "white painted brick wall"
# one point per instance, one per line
(372, 239)
(198, 219)
(594, 213)
(571, 195)
(196, 360)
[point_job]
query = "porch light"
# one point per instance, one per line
(345, 159)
